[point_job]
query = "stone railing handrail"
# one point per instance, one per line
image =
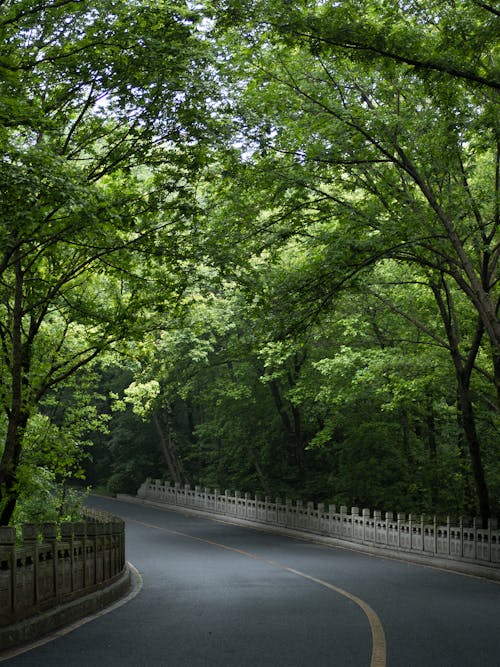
(457, 541)
(55, 564)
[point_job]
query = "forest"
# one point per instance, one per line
(250, 245)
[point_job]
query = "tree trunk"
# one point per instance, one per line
(260, 474)
(463, 371)
(469, 491)
(432, 444)
(9, 491)
(293, 428)
(300, 444)
(18, 414)
(474, 447)
(169, 449)
(496, 371)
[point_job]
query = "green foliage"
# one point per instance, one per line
(96, 190)
(279, 222)
(43, 499)
(364, 161)
(120, 458)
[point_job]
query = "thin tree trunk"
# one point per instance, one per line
(292, 426)
(169, 449)
(469, 491)
(474, 446)
(260, 474)
(432, 444)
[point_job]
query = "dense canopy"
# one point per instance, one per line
(251, 246)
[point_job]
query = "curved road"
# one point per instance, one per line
(218, 595)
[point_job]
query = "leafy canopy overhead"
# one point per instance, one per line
(100, 134)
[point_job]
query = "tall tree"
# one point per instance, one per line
(372, 130)
(98, 134)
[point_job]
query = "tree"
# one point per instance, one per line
(455, 40)
(372, 138)
(98, 137)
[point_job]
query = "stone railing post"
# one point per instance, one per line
(366, 517)
(92, 543)
(80, 535)
(8, 547)
(401, 520)
(299, 514)
(288, 513)
(389, 517)
(143, 489)
(492, 525)
(49, 536)
(119, 546)
(461, 523)
(476, 525)
(332, 510)
(67, 536)
(448, 536)
(356, 525)
(216, 499)
(101, 550)
(321, 511)
(278, 503)
(343, 520)
(377, 518)
(309, 515)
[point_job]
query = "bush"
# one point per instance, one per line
(123, 482)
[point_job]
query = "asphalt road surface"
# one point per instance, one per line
(219, 595)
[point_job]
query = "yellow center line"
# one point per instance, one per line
(378, 657)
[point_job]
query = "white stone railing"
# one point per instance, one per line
(411, 534)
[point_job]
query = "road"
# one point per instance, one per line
(219, 595)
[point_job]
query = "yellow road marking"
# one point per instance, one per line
(379, 651)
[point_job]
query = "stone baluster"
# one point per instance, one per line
(366, 519)
(80, 537)
(67, 536)
(8, 550)
(401, 521)
(49, 536)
